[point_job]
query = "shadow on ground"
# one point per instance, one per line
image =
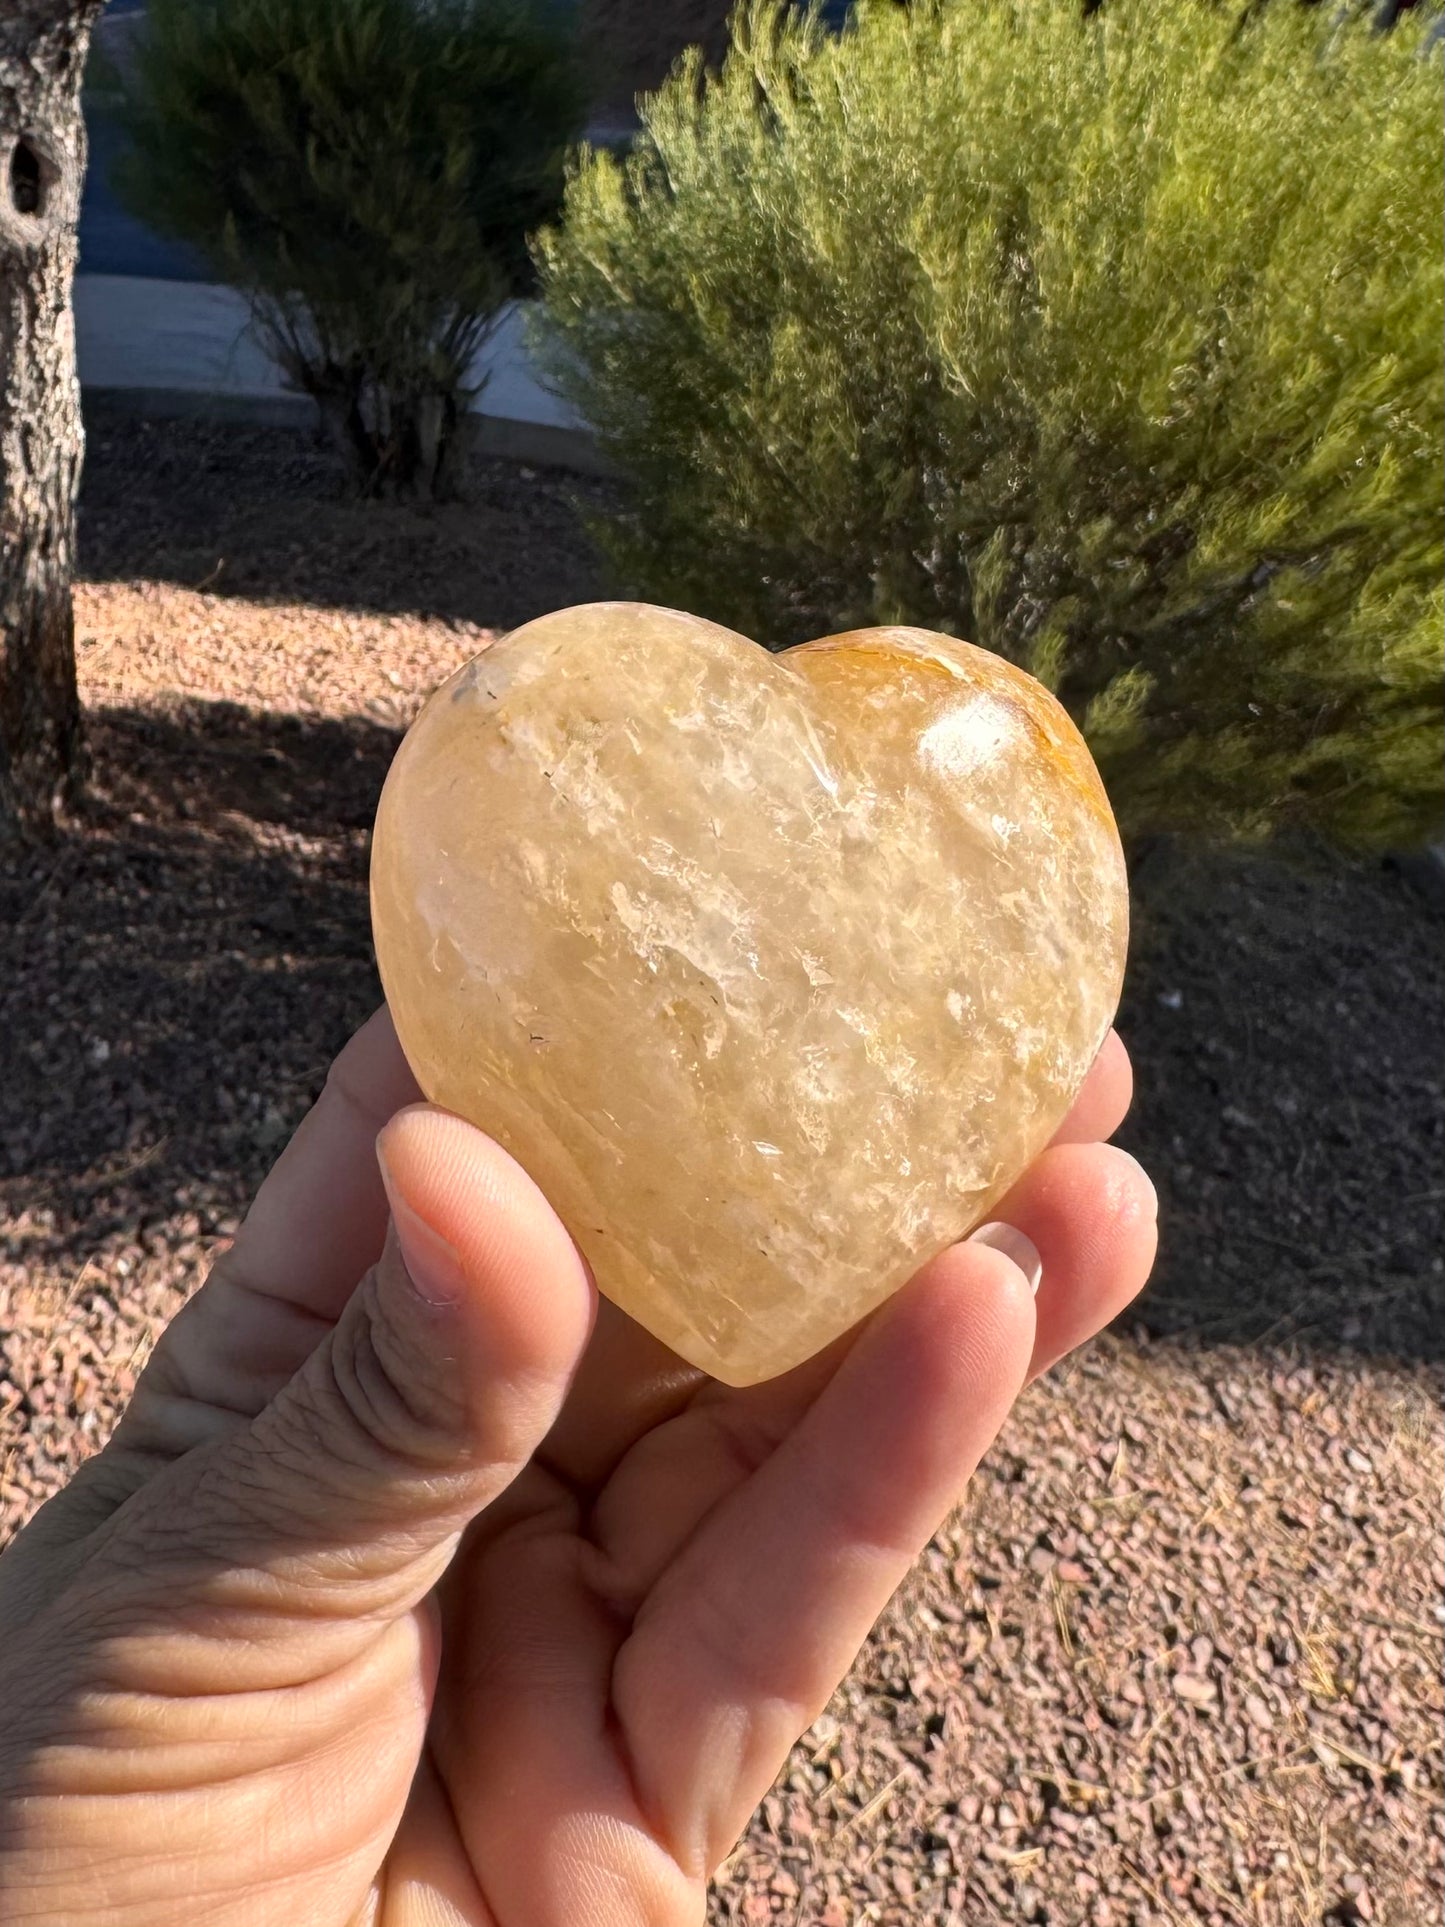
(179, 970)
(177, 973)
(1285, 1020)
(263, 513)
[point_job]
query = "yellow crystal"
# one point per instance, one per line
(774, 971)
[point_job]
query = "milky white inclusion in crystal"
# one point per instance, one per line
(774, 971)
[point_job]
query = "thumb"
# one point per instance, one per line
(346, 1496)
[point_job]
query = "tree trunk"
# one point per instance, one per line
(42, 159)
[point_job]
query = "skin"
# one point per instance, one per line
(488, 1613)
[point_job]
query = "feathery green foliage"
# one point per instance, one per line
(1113, 344)
(367, 171)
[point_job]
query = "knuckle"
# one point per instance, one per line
(387, 1396)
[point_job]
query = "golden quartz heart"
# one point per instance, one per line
(774, 971)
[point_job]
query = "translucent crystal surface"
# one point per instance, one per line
(773, 971)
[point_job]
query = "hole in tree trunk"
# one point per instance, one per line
(27, 180)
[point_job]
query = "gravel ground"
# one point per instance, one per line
(1179, 1658)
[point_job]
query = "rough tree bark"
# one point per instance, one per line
(43, 45)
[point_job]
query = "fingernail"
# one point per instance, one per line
(432, 1264)
(1013, 1244)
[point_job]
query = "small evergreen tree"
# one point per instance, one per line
(367, 171)
(1113, 343)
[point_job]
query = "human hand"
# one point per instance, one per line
(491, 1612)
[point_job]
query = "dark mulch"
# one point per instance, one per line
(1287, 1021)
(1180, 1658)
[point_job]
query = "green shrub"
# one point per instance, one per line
(367, 172)
(1112, 343)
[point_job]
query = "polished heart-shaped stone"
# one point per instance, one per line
(774, 971)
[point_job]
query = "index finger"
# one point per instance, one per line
(315, 1227)
(319, 1219)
